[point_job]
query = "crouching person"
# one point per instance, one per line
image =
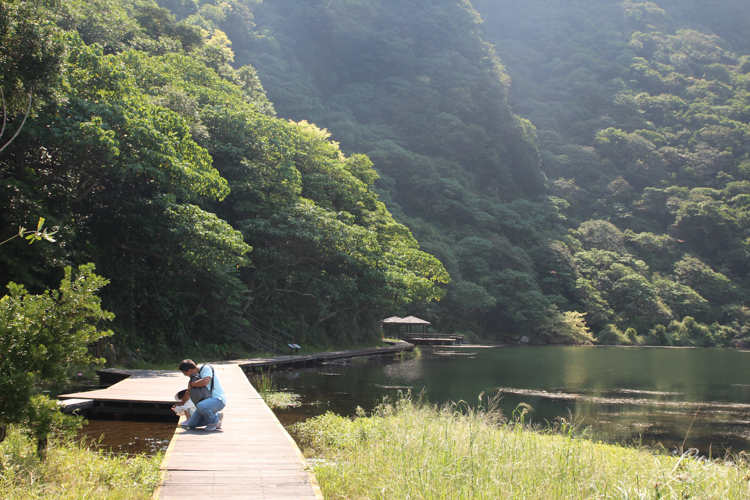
(205, 391)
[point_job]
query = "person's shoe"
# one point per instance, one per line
(184, 424)
(211, 427)
(221, 419)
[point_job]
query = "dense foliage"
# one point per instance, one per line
(412, 85)
(642, 112)
(616, 191)
(165, 167)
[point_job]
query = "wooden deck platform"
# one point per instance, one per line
(251, 456)
(433, 339)
(298, 360)
(139, 391)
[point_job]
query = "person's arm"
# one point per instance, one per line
(200, 383)
(205, 380)
(184, 399)
(185, 396)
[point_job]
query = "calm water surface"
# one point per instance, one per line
(621, 394)
(131, 437)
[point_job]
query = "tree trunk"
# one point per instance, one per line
(41, 448)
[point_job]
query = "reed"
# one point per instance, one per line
(274, 398)
(72, 471)
(408, 449)
(263, 383)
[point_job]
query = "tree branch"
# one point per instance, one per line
(90, 188)
(22, 123)
(2, 95)
(198, 308)
(293, 291)
(332, 315)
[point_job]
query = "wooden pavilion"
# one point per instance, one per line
(394, 324)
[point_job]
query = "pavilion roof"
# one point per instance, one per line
(409, 320)
(392, 319)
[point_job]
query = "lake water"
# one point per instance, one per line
(128, 436)
(621, 394)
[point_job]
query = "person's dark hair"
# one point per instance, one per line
(187, 364)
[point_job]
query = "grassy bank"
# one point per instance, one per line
(415, 451)
(72, 471)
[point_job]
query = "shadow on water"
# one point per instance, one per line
(622, 395)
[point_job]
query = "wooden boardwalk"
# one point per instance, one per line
(251, 456)
(293, 360)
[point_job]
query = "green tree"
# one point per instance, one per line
(694, 273)
(124, 178)
(41, 336)
(611, 335)
(31, 56)
(601, 235)
(681, 299)
(568, 327)
(692, 333)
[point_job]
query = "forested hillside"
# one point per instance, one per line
(571, 171)
(642, 118)
(414, 86)
(167, 168)
(592, 160)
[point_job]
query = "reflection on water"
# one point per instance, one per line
(128, 436)
(621, 394)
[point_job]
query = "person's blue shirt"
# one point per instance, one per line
(218, 391)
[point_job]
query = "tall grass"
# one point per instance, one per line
(275, 399)
(410, 450)
(72, 471)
